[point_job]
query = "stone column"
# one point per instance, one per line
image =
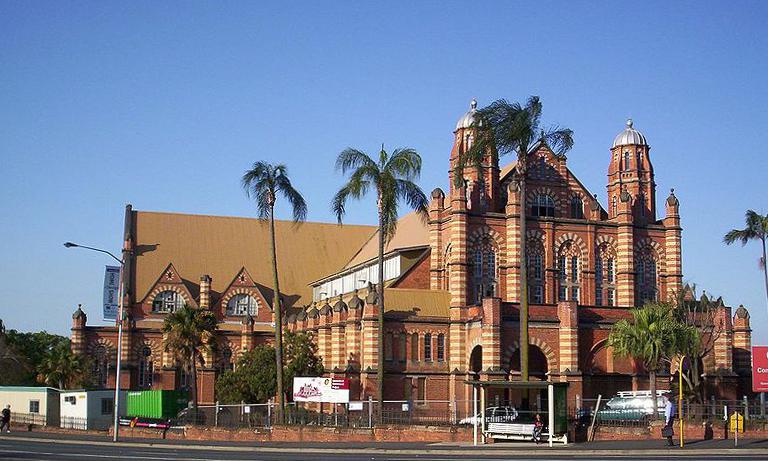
(625, 254)
(568, 336)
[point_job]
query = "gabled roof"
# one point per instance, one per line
(412, 232)
(219, 246)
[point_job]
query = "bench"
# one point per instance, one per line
(518, 431)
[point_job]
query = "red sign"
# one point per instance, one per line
(760, 368)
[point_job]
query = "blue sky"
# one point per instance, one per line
(163, 105)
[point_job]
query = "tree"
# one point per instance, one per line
(392, 178)
(263, 182)
(63, 369)
(301, 357)
(14, 366)
(757, 229)
(188, 333)
(28, 351)
(254, 379)
(653, 336)
(508, 127)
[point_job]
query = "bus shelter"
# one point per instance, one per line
(557, 406)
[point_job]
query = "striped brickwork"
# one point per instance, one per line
(513, 245)
(568, 336)
(491, 333)
(724, 341)
(625, 264)
(436, 244)
(458, 269)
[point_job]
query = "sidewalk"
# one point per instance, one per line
(636, 447)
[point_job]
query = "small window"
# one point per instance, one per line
(403, 347)
(428, 347)
(626, 161)
(106, 406)
(610, 296)
(70, 399)
(415, 347)
(167, 301)
(34, 406)
(388, 347)
(614, 206)
(421, 386)
(440, 347)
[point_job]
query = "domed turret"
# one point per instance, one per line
(468, 119)
(629, 136)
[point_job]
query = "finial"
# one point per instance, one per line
(672, 191)
(473, 103)
(629, 123)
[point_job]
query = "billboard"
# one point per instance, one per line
(111, 295)
(327, 390)
(760, 368)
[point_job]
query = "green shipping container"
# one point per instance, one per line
(155, 404)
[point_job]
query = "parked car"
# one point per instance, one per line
(493, 415)
(632, 406)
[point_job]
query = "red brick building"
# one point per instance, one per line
(452, 283)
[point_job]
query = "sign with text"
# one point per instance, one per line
(326, 390)
(111, 292)
(760, 368)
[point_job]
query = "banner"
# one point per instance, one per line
(759, 368)
(111, 289)
(327, 390)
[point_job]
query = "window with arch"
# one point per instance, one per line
(226, 363)
(427, 347)
(403, 346)
(626, 160)
(639, 160)
(577, 207)
(185, 377)
(485, 270)
(440, 347)
(641, 205)
(614, 206)
(167, 301)
(447, 268)
(388, 347)
(646, 283)
(569, 273)
(535, 271)
(100, 367)
(542, 205)
(605, 276)
(242, 304)
(145, 368)
(414, 347)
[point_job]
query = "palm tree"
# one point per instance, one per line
(392, 177)
(61, 368)
(507, 127)
(757, 229)
(651, 337)
(263, 182)
(188, 333)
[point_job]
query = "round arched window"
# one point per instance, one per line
(167, 301)
(242, 304)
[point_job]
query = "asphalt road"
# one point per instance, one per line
(30, 448)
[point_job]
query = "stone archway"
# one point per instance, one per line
(476, 360)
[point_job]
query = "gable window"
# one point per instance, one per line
(242, 304)
(577, 208)
(145, 368)
(167, 301)
(543, 205)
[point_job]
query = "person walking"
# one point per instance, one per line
(5, 419)
(538, 425)
(669, 415)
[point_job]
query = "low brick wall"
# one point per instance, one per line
(699, 431)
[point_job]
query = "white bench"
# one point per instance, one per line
(518, 431)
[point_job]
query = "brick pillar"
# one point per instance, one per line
(167, 360)
(551, 274)
(568, 336)
(79, 319)
(512, 211)
(370, 334)
(724, 342)
(491, 334)
(673, 247)
(324, 336)
(625, 254)
(742, 342)
(246, 334)
(338, 341)
(352, 332)
(458, 265)
(127, 340)
(205, 292)
(436, 244)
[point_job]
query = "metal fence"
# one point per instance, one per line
(28, 418)
(71, 422)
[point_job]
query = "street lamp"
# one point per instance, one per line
(116, 408)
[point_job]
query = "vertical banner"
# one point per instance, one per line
(759, 368)
(111, 289)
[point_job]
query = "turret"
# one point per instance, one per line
(631, 170)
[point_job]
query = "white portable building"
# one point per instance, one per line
(31, 405)
(89, 410)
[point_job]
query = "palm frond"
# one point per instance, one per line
(351, 159)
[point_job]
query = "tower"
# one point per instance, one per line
(631, 171)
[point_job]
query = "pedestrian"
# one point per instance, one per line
(5, 419)
(538, 425)
(669, 415)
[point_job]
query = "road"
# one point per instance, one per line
(24, 447)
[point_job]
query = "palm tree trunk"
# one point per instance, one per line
(278, 320)
(194, 384)
(652, 378)
(765, 269)
(523, 285)
(380, 360)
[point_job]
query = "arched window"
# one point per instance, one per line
(569, 271)
(447, 268)
(646, 284)
(639, 160)
(167, 301)
(542, 205)
(484, 274)
(403, 346)
(428, 347)
(100, 369)
(185, 377)
(577, 207)
(226, 363)
(605, 276)
(626, 160)
(535, 271)
(440, 347)
(641, 204)
(388, 347)
(414, 347)
(242, 304)
(145, 368)
(614, 206)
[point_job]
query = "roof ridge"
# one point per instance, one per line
(249, 218)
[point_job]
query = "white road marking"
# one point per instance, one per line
(90, 455)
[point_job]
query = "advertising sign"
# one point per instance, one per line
(327, 390)
(111, 287)
(760, 368)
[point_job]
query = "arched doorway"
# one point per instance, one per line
(476, 361)
(538, 365)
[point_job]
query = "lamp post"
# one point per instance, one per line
(116, 409)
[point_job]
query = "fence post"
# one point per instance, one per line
(269, 413)
(762, 404)
(216, 415)
(746, 408)
(370, 412)
(454, 412)
(578, 402)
